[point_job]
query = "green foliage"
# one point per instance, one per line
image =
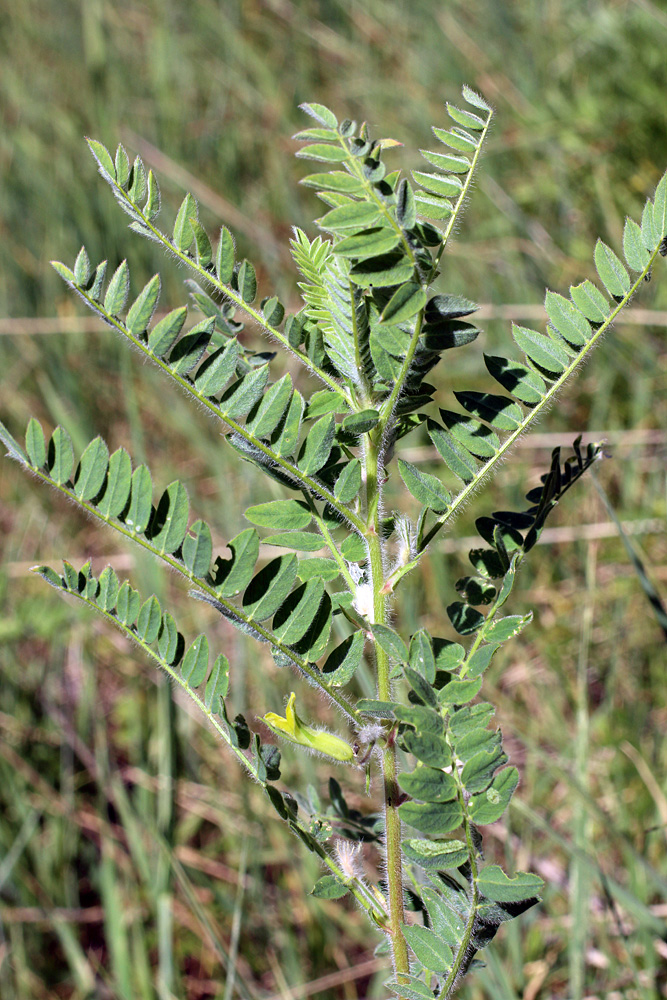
(372, 327)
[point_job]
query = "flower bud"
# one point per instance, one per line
(293, 729)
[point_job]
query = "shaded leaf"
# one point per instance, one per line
(164, 333)
(464, 618)
(521, 381)
(496, 885)
(60, 456)
(198, 549)
(341, 664)
(328, 887)
(269, 588)
(405, 303)
(170, 521)
(432, 855)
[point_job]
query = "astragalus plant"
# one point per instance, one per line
(376, 319)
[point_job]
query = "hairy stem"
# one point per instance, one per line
(389, 763)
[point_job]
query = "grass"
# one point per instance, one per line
(121, 870)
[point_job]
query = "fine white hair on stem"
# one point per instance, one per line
(348, 854)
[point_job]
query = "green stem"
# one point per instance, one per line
(326, 534)
(465, 950)
(389, 762)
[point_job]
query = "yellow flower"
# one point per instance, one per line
(296, 731)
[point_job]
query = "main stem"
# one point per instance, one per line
(389, 764)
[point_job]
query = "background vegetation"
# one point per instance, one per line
(122, 873)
